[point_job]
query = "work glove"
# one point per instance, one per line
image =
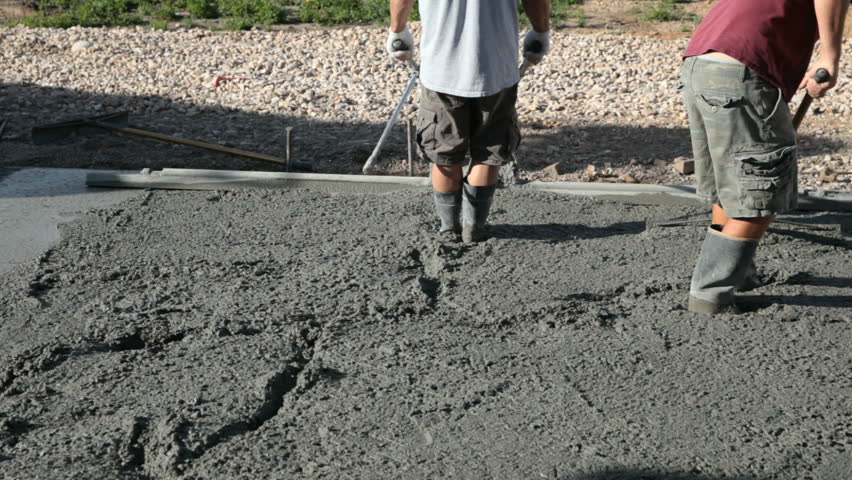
(536, 46)
(400, 45)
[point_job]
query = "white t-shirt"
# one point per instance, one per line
(469, 48)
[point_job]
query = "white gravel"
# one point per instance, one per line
(588, 83)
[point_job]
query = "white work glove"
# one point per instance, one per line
(536, 46)
(407, 40)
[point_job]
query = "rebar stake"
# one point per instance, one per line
(409, 130)
(288, 153)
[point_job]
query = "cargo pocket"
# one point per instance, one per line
(767, 177)
(427, 122)
(765, 101)
(716, 100)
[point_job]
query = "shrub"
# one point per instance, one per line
(165, 12)
(333, 12)
(86, 13)
(202, 8)
(667, 11)
(249, 12)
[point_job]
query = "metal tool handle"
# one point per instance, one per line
(368, 166)
(400, 46)
(820, 76)
(207, 146)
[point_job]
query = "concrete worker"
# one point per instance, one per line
(469, 79)
(742, 66)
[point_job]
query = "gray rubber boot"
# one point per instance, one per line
(751, 279)
(448, 206)
(476, 203)
(720, 270)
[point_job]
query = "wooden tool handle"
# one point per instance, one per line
(196, 143)
(820, 76)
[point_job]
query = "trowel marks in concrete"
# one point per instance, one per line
(294, 334)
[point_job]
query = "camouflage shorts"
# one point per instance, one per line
(448, 127)
(743, 139)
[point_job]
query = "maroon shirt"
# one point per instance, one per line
(775, 38)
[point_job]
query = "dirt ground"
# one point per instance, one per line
(298, 334)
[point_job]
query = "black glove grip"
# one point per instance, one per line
(534, 47)
(821, 75)
(399, 46)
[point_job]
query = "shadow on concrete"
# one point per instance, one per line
(812, 237)
(332, 147)
(825, 219)
(555, 232)
(804, 278)
(752, 303)
(632, 474)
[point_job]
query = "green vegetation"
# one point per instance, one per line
(560, 11)
(232, 14)
(202, 8)
(666, 11)
(236, 14)
(87, 13)
(580, 16)
(335, 12)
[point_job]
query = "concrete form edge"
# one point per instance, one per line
(200, 179)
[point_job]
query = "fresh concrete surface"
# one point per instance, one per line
(35, 201)
(300, 334)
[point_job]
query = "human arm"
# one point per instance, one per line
(399, 11)
(538, 12)
(831, 16)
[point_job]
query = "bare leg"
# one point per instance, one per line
(750, 228)
(719, 217)
(446, 178)
(482, 175)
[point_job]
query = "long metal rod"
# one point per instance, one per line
(195, 143)
(368, 167)
(289, 149)
(409, 137)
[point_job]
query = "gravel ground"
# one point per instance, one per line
(297, 334)
(604, 105)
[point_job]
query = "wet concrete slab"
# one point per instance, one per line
(308, 334)
(35, 201)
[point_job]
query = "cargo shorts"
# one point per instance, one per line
(448, 127)
(742, 137)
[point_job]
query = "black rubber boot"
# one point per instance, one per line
(720, 270)
(476, 203)
(448, 206)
